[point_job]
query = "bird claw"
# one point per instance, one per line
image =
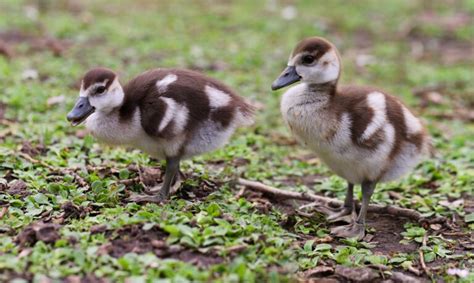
(346, 215)
(155, 195)
(353, 230)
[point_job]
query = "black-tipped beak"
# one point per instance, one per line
(286, 78)
(82, 109)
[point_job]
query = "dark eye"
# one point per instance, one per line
(307, 59)
(100, 89)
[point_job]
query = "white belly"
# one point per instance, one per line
(108, 129)
(208, 137)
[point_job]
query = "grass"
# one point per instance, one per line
(53, 226)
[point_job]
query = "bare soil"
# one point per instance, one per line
(134, 239)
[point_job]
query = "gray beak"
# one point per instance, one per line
(286, 78)
(82, 109)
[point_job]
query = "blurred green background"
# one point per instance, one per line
(420, 51)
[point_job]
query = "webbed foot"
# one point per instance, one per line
(159, 197)
(353, 230)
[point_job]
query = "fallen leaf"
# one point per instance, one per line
(452, 205)
(458, 272)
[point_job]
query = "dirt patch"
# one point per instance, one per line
(45, 232)
(16, 188)
(387, 234)
(10, 38)
(72, 211)
(32, 150)
(134, 238)
(198, 259)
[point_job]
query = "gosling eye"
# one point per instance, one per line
(307, 59)
(100, 89)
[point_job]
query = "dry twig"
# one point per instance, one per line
(414, 270)
(422, 256)
(330, 202)
(3, 211)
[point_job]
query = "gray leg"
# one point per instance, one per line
(367, 191)
(345, 213)
(172, 168)
(349, 201)
(357, 227)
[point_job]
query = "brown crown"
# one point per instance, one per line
(316, 46)
(98, 75)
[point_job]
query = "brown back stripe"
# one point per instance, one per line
(353, 100)
(189, 90)
(396, 118)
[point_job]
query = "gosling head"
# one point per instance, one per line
(100, 92)
(314, 61)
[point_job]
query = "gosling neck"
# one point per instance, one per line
(322, 89)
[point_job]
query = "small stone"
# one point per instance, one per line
(399, 277)
(159, 244)
(96, 229)
(435, 227)
(356, 274)
(55, 100)
(29, 74)
(289, 13)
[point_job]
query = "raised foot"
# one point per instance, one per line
(353, 230)
(345, 214)
(143, 198)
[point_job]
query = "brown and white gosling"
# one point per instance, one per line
(363, 134)
(167, 113)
